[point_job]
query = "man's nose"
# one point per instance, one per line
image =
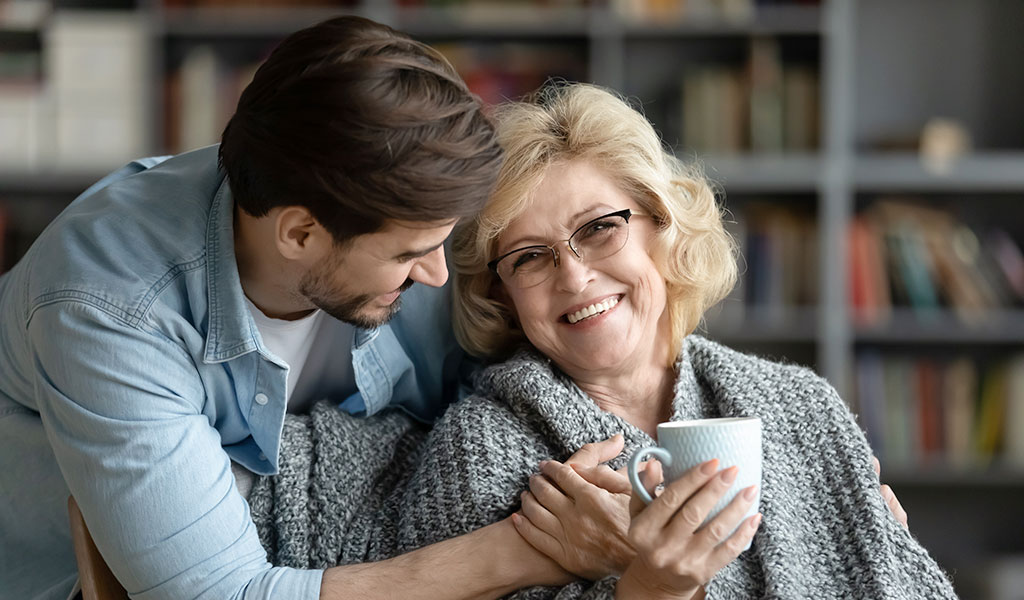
(431, 269)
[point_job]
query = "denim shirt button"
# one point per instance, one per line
(263, 456)
(261, 399)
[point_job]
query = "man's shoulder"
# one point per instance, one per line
(128, 235)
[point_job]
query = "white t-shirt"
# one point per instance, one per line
(290, 341)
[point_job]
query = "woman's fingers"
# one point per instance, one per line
(728, 550)
(538, 515)
(894, 505)
(650, 478)
(725, 522)
(596, 453)
(566, 477)
(605, 478)
(550, 496)
(692, 514)
(674, 497)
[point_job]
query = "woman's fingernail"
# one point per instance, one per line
(516, 518)
(756, 521)
(750, 493)
(709, 467)
(544, 463)
(729, 475)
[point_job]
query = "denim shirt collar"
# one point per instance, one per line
(231, 332)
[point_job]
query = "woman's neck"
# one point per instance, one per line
(640, 396)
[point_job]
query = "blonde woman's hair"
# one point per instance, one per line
(567, 122)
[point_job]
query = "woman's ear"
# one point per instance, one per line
(500, 294)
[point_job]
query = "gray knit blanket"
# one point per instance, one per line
(354, 490)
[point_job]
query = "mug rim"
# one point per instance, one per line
(713, 422)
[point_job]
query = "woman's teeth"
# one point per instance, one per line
(593, 309)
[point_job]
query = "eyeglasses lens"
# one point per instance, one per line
(595, 240)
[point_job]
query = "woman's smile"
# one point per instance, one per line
(591, 312)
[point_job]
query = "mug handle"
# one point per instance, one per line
(634, 479)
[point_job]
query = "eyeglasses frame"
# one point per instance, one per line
(625, 213)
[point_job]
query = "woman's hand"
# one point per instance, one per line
(582, 526)
(676, 555)
(890, 497)
(577, 513)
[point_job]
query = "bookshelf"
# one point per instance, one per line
(871, 72)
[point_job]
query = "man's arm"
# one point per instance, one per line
(459, 486)
(122, 406)
(490, 562)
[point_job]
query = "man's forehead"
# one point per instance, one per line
(404, 227)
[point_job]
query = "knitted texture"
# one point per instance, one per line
(353, 490)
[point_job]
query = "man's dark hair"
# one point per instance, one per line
(360, 124)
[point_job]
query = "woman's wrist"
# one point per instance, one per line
(636, 584)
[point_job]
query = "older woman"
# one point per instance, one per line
(583, 280)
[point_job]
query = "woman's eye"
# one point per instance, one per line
(527, 258)
(598, 228)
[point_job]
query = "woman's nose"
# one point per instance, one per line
(572, 274)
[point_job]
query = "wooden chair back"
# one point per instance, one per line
(98, 583)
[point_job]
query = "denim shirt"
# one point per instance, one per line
(128, 360)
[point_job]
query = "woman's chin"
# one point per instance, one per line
(608, 359)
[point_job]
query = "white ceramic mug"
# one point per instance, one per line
(682, 445)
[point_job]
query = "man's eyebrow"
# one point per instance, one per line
(411, 254)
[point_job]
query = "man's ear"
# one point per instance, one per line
(297, 234)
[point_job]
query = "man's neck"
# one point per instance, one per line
(262, 271)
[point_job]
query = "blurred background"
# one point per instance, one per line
(870, 154)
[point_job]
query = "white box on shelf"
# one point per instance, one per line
(19, 127)
(98, 65)
(97, 50)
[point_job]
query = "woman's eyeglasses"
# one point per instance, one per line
(594, 240)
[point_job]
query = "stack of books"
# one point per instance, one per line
(942, 413)
(779, 246)
(908, 254)
(763, 106)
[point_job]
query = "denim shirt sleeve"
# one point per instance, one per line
(122, 408)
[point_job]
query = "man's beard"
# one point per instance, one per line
(315, 287)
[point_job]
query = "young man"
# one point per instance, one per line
(157, 332)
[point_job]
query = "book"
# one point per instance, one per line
(900, 433)
(988, 434)
(959, 398)
(766, 91)
(868, 285)
(801, 112)
(929, 404)
(870, 373)
(1014, 432)
(1009, 259)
